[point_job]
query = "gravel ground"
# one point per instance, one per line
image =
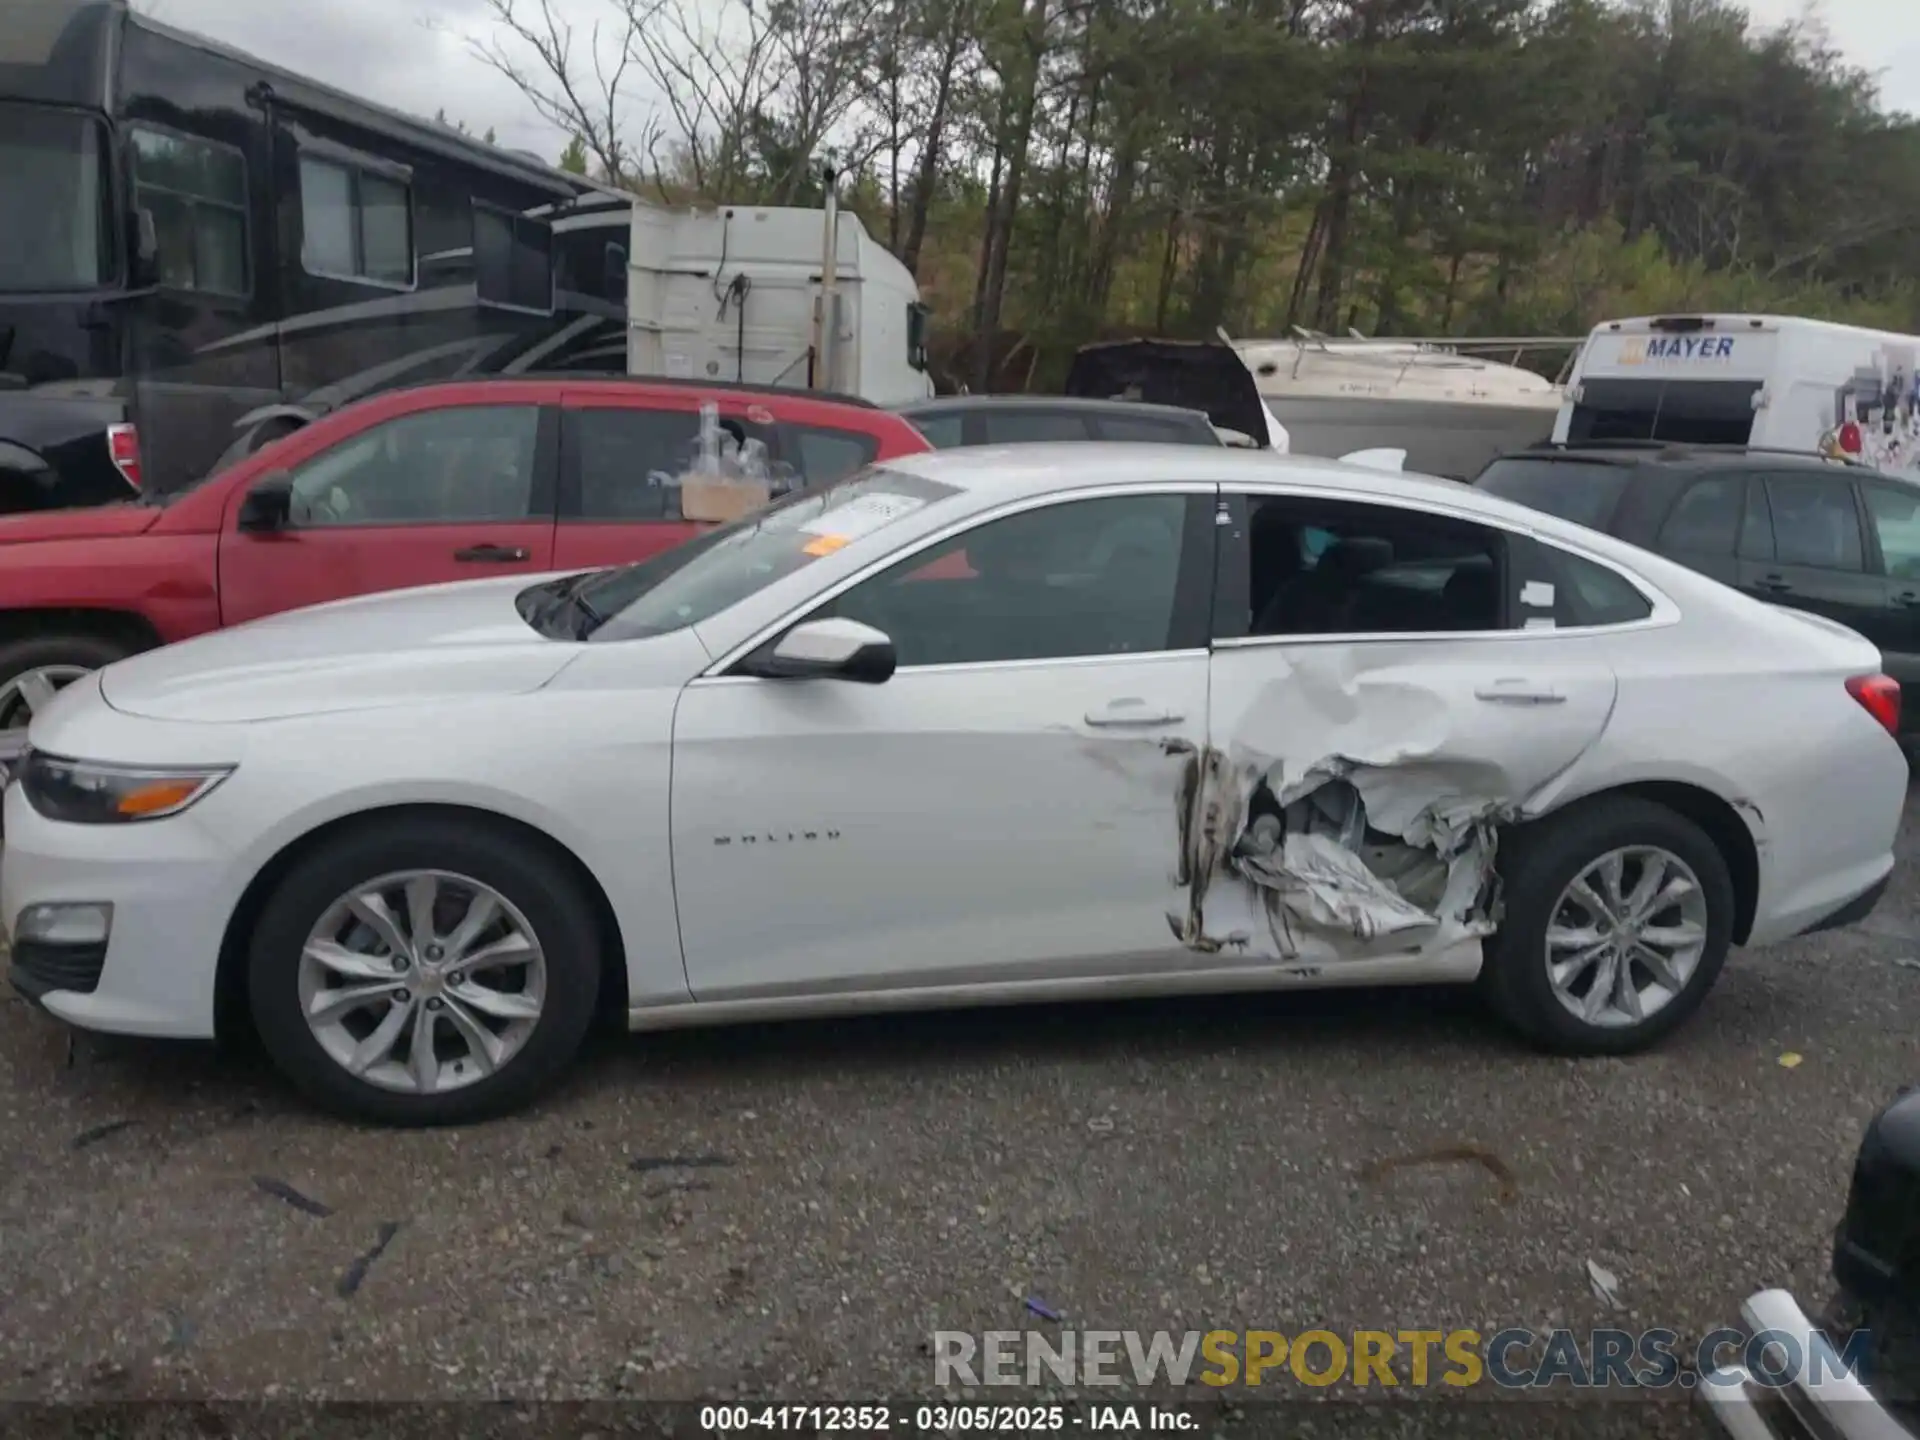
(793, 1210)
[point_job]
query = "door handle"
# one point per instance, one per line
(1519, 692)
(494, 554)
(1907, 598)
(1773, 585)
(1133, 712)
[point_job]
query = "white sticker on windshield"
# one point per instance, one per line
(1537, 595)
(862, 515)
(1539, 622)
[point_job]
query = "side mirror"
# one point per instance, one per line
(826, 650)
(268, 506)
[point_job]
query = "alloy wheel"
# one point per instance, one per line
(1626, 935)
(422, 981)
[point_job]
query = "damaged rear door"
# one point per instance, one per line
(999, 809)
(1389, 686)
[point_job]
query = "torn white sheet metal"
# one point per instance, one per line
(1355, 807)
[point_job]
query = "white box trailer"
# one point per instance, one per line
(736, 293)
(1767, 381)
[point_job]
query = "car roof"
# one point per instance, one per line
(1634, 453)
(790, 402)
(1046, 467)
(947, 404)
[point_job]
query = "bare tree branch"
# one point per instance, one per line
(533, 48)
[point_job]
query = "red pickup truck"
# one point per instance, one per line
(412, 487)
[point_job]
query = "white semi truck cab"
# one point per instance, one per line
(758, 294)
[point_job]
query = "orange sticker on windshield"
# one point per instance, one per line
(825, 545)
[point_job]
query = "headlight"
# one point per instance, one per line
(82, 792)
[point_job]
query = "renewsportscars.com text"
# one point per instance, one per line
(1513, 1359)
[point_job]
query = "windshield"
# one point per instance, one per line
(53, 195)
(1583, 491)
(1684, 412)
(695, 581)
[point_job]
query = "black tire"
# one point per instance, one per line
(1537, 862)
(525, 873)
(35, 652)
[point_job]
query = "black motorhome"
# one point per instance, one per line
(199, 251)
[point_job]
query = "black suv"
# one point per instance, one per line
(958, 420)
(1834, 537)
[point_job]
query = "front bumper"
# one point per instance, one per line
(1833, 1405)
(172, 886)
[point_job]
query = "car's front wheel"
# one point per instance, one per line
(424, 970)
(1618, 914)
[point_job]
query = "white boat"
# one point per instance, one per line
(1451, 411)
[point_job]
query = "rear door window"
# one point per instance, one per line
(1706, 519)
(1815, 522)
(626, 462)
(1021, 426)
(1324, 567)
(1154, 430)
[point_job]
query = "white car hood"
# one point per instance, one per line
(463, 639)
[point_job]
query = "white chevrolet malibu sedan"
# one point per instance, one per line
(977, 727)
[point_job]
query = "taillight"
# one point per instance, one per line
(1880, 696)
(123, 448)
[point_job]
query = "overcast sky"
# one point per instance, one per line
(368, 47)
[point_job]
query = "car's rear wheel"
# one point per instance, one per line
(424, 971)
(1618, 916)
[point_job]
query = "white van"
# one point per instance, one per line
(1765, 381)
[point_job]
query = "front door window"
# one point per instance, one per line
(1091, 577)
(460, 464)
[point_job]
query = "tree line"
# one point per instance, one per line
(1056, 171)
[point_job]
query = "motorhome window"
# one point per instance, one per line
(1683, 412)
(1583, 491)
(53, 195)
(512, 259)
(196, 193)
(355, 224)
